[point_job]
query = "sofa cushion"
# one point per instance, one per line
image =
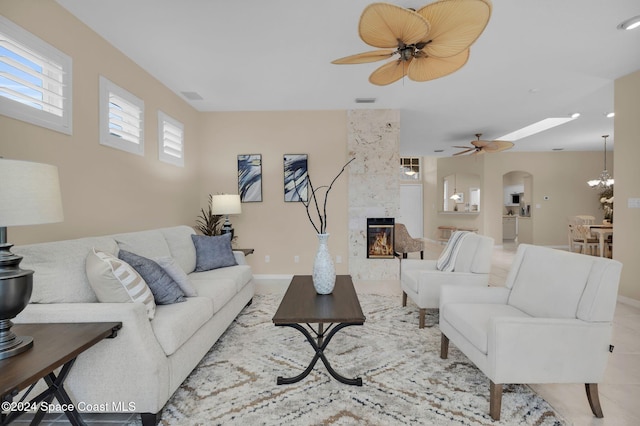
(181, 246)
(165, 290)
(150, 244)
(59, 268)
(472, 320)
(213, 252)
(174, 270)
(115, 281)
(239, 274)
(174, 324)
(218, 291)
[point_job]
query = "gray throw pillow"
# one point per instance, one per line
(165, 290)
(213, 252)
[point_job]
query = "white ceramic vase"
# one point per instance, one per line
(324, 273)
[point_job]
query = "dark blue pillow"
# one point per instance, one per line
(165, 290)
(213, 252)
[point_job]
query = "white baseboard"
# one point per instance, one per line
(273, 276)
(629, 301)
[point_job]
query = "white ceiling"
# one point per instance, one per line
(536, 59)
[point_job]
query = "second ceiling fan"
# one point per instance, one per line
(480, 146)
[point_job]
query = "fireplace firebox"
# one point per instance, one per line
(380, 238)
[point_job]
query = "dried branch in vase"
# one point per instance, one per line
(320, 208)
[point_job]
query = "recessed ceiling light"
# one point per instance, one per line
(538, 127)
(610, 114)
(575, 115)
(365, 100)
(630, 23)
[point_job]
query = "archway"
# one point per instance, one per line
(517, 221)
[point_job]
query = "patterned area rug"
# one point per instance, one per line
(404, 379)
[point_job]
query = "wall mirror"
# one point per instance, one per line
(461, 193)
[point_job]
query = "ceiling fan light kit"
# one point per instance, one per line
(429, 43)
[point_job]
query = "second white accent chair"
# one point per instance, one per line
(550, 323)
(421, 280)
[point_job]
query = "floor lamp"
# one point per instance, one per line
(29, 195)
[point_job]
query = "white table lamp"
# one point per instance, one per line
(226, 204)
(29, 195)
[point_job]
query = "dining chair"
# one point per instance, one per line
(580, 235)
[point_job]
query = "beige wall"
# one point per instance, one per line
(107, 191)
(273, 227)
(104, 190)
(627, 176)
(561, 176)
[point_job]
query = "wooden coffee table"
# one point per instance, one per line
(54, 345)
(301, 306)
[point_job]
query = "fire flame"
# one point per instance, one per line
(381, 246)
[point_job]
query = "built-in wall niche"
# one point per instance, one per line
(461, 193)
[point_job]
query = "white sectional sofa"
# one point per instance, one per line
(149, 359)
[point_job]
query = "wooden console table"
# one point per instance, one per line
(54, 346)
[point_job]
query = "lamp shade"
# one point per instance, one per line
(226, 204)
(29, 193)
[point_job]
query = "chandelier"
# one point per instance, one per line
(605, 180)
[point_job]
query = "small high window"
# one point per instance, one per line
(170, 140)
(410, 168)
(121, 118)
(35, 79)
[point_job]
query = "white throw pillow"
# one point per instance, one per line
(179, 276)
(115, 281)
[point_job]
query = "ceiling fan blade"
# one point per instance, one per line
(459, 146)
(455, 25)
(425, 68)
(389, 72)
(464, 152)
(362, 58)
(386, 25)
(497, 146)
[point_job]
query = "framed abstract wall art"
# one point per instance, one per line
(295, 177)
(250, 178)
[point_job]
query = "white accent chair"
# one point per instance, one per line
(551, 323)
(421, 280)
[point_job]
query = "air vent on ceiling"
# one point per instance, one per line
(365, 100)
(192, 96)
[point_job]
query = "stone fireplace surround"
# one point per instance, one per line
(373, 138)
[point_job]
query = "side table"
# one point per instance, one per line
(54, 346)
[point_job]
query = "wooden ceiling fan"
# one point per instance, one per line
(430, 42)
(480, 147)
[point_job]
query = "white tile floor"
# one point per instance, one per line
(619, 392)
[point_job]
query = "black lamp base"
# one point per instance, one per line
(10, 344)
(15, 291)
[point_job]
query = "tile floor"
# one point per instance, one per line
(619, 391)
